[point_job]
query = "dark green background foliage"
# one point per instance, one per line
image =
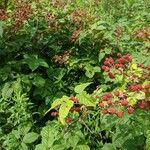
(49, 47)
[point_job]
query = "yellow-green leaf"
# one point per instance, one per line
(64, 110)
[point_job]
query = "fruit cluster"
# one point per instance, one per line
(21, 14)
(3, 15)
(110, 65)
(134, 90)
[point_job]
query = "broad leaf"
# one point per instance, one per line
(49, 135)
(80, 88)
(30, 137)
(108, 147)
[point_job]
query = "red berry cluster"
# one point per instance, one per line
(75, 35)
(21, 14)
(137, 81)
(77, 17)
(120, 63)
(3, 15)
(109, 105)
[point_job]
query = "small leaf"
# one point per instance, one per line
(7, 91)
(43, 63)
(30, 137)
(80, 88)
(39, 81)
(24, 146)
(40, 147)
(86, 99)
(57, 102)
(64, 110)
(132, 100)
(101, 56)
(1, 28)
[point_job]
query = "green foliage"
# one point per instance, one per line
(148, 140)
(53, 50)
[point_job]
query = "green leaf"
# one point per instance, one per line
(30, 137)
(73, 140)
(24, 146)
(101, 56)
(148, 140)
(1, 28)
(119, 78)
(83, 147)
(58, 147)
(39, 81)
(43, 63)
(34, 62)
(49, 135)
(57, 102)
(86, 99)
(140, 95)
(132, 100)
(7, 91)
(64, 110)
(80, 88)
(40, 147)
(108, 147)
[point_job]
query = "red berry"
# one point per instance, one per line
(130, 110)
(136, 87)
(105, 111)
(111, 75)
(74, 99)
(124, 102)
(111, 61)
(107, 63)
(142, 104)
(118, 66)
(107, 69)
(128, 57)
(109, 95)
(121, 60)
(105, 98)
(148, 67)
(109, 102)
(69, 120)
(147, 86)
(119, 55)
(111, 111)
(117, 93)
(77, 109)
(141, 65)
(119, 114)
(100, 104)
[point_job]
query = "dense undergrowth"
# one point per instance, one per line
(75, 75)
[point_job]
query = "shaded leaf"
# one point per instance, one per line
(30, 137)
